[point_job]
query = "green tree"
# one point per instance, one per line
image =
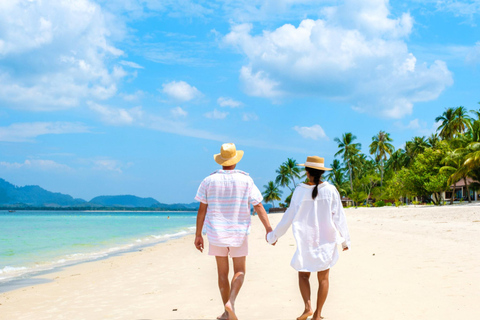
(337, 176)
(381, 147)
(358, 197)
(271, 193)
(396, 161)
(462, 121)
(446, 127)
(348, 150)
(283, 177)
(424, 178)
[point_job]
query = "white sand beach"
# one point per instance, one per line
(405, 263)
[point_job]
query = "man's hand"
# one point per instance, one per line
(199, 243)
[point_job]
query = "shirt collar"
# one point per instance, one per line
(221, 171)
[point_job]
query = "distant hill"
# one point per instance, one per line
(124, 201)
(34, 196)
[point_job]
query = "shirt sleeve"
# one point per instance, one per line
(339, 219)
(202, 193)
(255, 196)
(284, 224)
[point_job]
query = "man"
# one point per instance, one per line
(225, 197)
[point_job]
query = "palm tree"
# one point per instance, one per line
(455, 121)
(452, 165)
(462, 121)
(348, 149)
(337, 176)
(271, 193)
(472, 157)
(396, 161)
(293, 170)
(447, 127)
(381, 146)
(433, 140)
(416, 146)
(283, 177)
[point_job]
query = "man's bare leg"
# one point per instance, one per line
(323, 284)
(237, 282)
(223, 283)
(304, 284)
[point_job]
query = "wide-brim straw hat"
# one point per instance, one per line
(229, 155)
(315, 162)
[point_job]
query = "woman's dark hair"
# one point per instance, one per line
(316, 175)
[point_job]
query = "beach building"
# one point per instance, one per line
(459, 190)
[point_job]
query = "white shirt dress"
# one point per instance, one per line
(318, 227)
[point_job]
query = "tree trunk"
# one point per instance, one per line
(452, 198)
(351, 178)
(381, 174)
(468, 190)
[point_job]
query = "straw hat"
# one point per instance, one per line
(229, 155)
(315, 163)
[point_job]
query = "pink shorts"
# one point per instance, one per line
(234, 252)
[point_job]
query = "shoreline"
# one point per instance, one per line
(404, 264)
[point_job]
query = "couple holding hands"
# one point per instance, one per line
(315, 213)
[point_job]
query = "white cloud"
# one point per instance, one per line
(131, 64)
(43, 165)
(53, 54)
(215, 114)
(459, 8)
(473, 55)
(108, 165)
(314, 132)
(419, 126)
(228, 102)
(137, 95)
(356, 53)
(178, 112)
(181, 91)
(117, 116)
(251, 116)
(22, 132)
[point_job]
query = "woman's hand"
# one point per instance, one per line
(199, 243)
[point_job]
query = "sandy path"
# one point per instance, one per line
(407, 263)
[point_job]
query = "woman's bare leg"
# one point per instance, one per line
(304, 284)
(223, 283)
(239, 267)
(323, 284)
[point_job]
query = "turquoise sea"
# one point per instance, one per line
(36, 241)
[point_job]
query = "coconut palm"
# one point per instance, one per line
(337, 176)
(271, 193)
(446, 128)
(293, 169)
(396, 161)
(462, 121)
(283, 177)
(453, 162)
(348, 150)
(416, 146)
(433, 140)
(381, 146)
(472, 157)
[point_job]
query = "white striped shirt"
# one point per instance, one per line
(228, 194)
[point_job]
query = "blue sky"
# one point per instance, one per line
(134, 97)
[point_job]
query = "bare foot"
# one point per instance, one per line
(231, 311)
(315, 317)
(224, 316)
(305, 315)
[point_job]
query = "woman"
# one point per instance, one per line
(318, 224)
